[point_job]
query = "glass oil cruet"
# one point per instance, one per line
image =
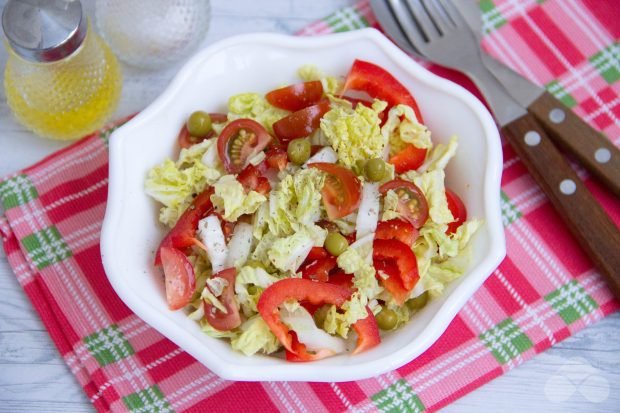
(61, 80)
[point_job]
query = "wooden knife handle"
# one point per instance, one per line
(592, 148)
(585, 218)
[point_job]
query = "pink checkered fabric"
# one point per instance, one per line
(545, 290)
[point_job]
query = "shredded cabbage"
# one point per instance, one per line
(390, 206)
(255, 337)
(331, 85)
(254, 106)
(231, 199)
(314, 338)
(251, 276)
(288, 253)
(402, 127)
(355, 134)
(294, 203)
(174, 183)
(440, 155)
(431, 183)
(357, 260)
(339, 322)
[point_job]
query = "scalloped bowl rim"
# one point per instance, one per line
(261, 368)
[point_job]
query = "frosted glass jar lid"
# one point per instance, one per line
(44, 30)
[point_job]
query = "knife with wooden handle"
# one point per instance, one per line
(595, 152)
(597, 234)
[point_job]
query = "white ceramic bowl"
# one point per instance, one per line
(261, 62)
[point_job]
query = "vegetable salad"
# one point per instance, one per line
(306, 219)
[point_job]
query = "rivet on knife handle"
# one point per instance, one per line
(585, 218)
(594, 150)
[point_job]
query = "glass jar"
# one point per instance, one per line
(152, 33)
(61, 80)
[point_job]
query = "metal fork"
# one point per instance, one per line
(436, 30)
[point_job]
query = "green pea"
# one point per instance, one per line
(199, 124)
(386, 319)
(335, 243)
(299, 150)
(252, 289)
(418, 302)
(320, 315)
(376, 170)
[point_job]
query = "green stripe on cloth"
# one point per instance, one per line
(17, 191)
(506, 341)
(108, 345)
(491, 17)
(607, 62)
(345, 20)
(510, 213)
(399, 397)
(556, 89)
(150, 399)
(571, 302)
(46, 247)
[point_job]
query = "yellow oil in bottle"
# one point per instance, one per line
(65, 99)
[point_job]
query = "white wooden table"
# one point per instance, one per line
(33, 377)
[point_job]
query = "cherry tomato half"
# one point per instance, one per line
(183, 234)
(301, 123)
(458, 210)
(408, 159)
(296, 97)
(412, 203)
(186, 140)
(179, 278)
(379, 84)
(230, 319)
(341, 191)
(239, 141)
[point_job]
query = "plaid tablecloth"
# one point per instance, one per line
(544, 291)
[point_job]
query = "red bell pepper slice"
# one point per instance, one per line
(379, 84)
(319, 269)
(402, 255)
(182, 235)
(408, 159)
(397, 229)
(300, 289)
(342, 279)
(393, 282)
(317, 253)
(367, 333)
(458, 210)
(300, 353)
